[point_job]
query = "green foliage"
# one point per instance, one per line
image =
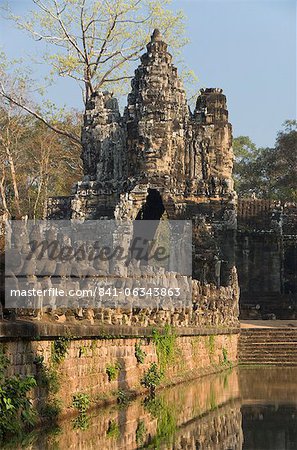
(39, 360)
(139, 353)
(47, 377)
(268, 172)
(81, 402)
(246, 154)
(166, 422)
(113, 371)
(4, 362)
(244, 149)
(165, 345)
(96, 63)
(225, 361)
(122, 397)
(81, 422)
(140, 433)
(113, 431)
(211, 344)
(60, 349)
(93, 345)
(225, 355)
(16, 409)
(152, 378)
(51, 409)
(212, 399)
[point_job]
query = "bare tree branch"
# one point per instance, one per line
(104, 44)
(116, 66)
(39, 117)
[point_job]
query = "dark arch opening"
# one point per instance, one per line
(153, 208)
(144, 232)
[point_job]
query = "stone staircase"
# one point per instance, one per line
(268, 346)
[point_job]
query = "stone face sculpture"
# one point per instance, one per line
(157, 144)
(159, 158)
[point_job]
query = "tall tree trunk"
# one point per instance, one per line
(14, 183)
(2, 193)
(44, 214)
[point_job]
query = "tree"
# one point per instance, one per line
(96, 42)
(285, 161)
(55, 164)
(246, 153)
(268, 172)
(35, 162)
(17, 90)
(13, 129)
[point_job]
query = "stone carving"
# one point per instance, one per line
(157, 144)
(160, 160)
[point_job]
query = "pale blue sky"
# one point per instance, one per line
(246, 47)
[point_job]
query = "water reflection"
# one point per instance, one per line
(251, 409)
(270, 427)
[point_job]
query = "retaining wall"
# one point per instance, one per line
(84, 367)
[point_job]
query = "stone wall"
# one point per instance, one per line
(84, 367)
(266, 257)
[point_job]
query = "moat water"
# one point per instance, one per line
(239, 409)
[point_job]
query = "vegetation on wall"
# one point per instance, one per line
(165, 343)
(60, 348)
(123, 397)
(139, 353)
(81, 402)
(152, 378)
(47, 377)
(225, 361)
(17, 413)
(211, 344)
(112, 371)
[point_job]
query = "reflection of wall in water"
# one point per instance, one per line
(204, 415)
(219, 429)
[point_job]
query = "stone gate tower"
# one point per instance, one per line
(159, 158)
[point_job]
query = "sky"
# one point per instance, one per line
(246, 47)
